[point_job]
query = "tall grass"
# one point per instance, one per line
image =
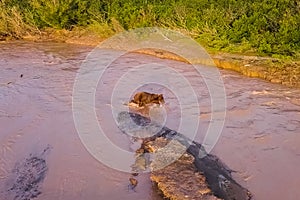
(261, 26)
(12, 23)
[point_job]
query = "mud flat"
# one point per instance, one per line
(195, 175)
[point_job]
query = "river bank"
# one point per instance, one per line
(278, 71)
(275, 70)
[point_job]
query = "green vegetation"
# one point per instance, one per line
(263, 27)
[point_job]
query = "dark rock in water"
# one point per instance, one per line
(219, 178)
(27, 176)
(217, 174)
(134, 174)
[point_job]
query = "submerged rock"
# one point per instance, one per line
(27, 177)
(180, 167)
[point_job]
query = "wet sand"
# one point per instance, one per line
(260, 139)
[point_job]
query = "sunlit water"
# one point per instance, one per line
(260, 138)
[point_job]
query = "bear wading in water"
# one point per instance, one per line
(144, 98)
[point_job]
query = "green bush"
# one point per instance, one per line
(263, 26)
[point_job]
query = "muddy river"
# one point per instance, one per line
(39, 143)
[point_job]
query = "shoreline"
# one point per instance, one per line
(286, 73)
(279, 71)
(273, 70)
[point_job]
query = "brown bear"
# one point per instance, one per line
(144, 98)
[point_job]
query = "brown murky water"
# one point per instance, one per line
(260, 139)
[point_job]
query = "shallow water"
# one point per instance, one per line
(260, 138)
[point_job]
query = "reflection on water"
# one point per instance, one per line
(259, 139)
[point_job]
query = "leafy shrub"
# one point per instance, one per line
(265, 26)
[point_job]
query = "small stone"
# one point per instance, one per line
(204, 191)
(275, 80)
(134, 174)
(140, 151)
(133, 182)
